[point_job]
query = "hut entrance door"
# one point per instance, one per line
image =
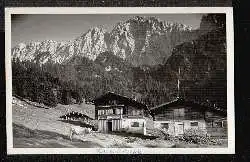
(179, 128)
(109, 125)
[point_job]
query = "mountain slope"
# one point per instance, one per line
(202, 65)
(140, 58)
(139, 40)
(89, 45)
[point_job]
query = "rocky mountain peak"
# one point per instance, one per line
(95, 30)
(145, 40)
(90, 44)
(139, 40)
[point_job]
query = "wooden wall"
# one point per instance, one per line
(116, 125)
(210, 115)
(179, 113)
(125, 110)
(123, 125)
(102, 125)
(127, 125)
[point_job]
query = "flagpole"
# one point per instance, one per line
(178, 84)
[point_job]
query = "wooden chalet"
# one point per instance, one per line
(119, 113)
(179, 115)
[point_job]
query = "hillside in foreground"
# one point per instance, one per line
(37, 126)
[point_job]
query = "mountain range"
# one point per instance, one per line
(139, 40)
(139, 58)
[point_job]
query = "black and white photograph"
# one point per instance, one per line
(156, 80)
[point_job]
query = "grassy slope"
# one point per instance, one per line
(37, 117)
(35, 126)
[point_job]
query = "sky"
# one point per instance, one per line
(35, 27)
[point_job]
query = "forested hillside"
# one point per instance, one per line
(201, 60)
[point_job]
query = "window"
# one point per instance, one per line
(130, 111)
(224, 124)
(135, 124)
(125, 110)
(140, 112)
(137, 112)
(110, 111)
(115, 102)
(209, 124)
(194, 124)
(179, 112)
(117, 111)
(217, 124)
(194, 115)
(112, 102)
(164, 125)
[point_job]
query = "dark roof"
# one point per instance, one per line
(170, 103)
(113, 95)
(78, 114)
(182, 101)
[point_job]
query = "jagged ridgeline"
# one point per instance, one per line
(138, 58)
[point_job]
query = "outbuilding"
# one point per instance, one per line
(179, 115)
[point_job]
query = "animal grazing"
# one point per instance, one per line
(77, 130)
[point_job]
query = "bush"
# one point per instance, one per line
(130, 139)
(216, 141)
(196, 136)
(199, 136)
(50, 99)
(156, 133)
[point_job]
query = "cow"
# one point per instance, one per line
(77, 130)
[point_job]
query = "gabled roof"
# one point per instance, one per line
(177, 100)
(182, 101)
(112, 95)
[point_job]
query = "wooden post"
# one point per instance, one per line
(178, 83)
(144, 128)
